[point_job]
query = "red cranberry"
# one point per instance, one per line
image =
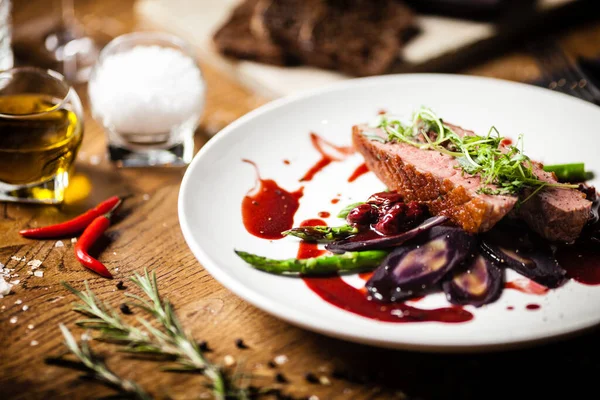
(363, 214)
(400, 217)
(389, 223)
(384, 198)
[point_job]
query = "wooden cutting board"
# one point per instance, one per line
(441, 44)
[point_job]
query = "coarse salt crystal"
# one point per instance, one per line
(15, 282)
(95, 160)
(19, 301)
(34, 264)
(146, 197)
(59, 243)
(30, 326)
(38, 273)
(34, 343)
(229, 360)
(73, 240)
(281, 359)
(13, 320)
(147, 90)
(5, 287)
(324, 380)
(25, 307)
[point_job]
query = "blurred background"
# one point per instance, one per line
(278, 47)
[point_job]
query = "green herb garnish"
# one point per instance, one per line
(504, 166)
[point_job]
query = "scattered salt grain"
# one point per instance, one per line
(117, 269)
(25, 307)
(30, 326)
(39, 273)
(73, 240)
(59, 243)
(34, 343)
(15, 258)
(15, 282)
(13, 320)
(324, 380)
(147, 90)
(281, 359)
(313, 397)
(19, 301)
(95, 160)
(146, 197)
(5, 287)
(229, 360)
(34, 264)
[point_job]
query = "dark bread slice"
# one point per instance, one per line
(244, 36)
(358, 37)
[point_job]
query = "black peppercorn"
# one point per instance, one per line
(203, 346)
(311, 378)
(125, 309)
(280, 378)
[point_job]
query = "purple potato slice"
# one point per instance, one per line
(413, 270)
(383, 242)
(479, 282)
(524, 252)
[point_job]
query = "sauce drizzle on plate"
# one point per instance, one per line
(267, 209)
(333, 153)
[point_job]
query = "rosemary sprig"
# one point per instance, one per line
(94, 367)
(504, 166)
(171, 342)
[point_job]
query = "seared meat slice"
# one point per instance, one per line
(556, 214)
(433, 178)
(437, 179)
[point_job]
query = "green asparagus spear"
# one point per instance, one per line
(322, 234)
(322, 265)
(346, 210)
(569, 172)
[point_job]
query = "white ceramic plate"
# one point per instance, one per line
(557, 128)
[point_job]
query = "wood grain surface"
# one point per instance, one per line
(147, 235)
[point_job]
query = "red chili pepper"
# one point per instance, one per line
(72, 226)
(88, 238)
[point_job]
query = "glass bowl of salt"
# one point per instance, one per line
(147, 91)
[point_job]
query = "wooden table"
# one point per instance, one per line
(149, 237)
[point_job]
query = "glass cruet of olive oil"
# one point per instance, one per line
(41, 128)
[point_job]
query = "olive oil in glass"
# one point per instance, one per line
(40, 135)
